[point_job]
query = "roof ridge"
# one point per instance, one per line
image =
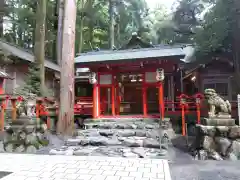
(24, 49)
(163, 46)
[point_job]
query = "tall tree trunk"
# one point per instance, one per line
(80, 46)
(60, 5)
(81, 35)
(236, 41)
(66, 108)
(2, 5)
(91, 23)
(111, 23)
(39, 45)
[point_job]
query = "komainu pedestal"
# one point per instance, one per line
(25, 135)
(218, 137)
(221, 119)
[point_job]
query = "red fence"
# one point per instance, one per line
(84, 105)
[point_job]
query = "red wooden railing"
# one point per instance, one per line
(84, 105)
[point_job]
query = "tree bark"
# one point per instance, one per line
(39, 45)
(236, 41)
(111, 24)
(81, 35)
(2, 5)
(60, 29)
(80, 46)
(66, 107)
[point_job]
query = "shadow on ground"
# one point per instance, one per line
(4, 173)
(183, 167)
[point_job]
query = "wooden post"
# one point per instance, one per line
(1, 83)
(144, 88)
(2, 113)
(144, 101)
(14, 108)
(183, 120)
(198, 98)
(66, 107)
(198, 114)
(95, 101)
(49, 106)
(118, 99)
(183, 104)
(161, 101)
(98, 102)
(113, 96)
(38, 107)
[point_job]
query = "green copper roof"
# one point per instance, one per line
(134, 54)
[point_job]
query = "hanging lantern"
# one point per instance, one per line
(92, 78)
(160, 74)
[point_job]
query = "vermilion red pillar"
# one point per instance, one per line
(98, 104)
(94, 100)
(144, 88)
(117, 100)
(161, 100)
(1, 86)
(2, 114)
(183, 120)
(113, 96)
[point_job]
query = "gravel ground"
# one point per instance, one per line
(205, 170)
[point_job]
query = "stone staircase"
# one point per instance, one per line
(119, 138)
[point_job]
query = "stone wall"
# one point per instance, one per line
(24, 135)
(217, 142)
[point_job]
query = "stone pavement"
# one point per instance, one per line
(46, 167)
(118, 138)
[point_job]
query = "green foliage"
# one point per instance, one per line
(158, 26)
(217, 30)
(32, 82)
(92, 24)
(31, 88)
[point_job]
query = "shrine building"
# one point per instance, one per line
(125, 83)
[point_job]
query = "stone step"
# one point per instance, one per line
(149, 120)
(112, 151)
(218, 122)
(122, 125)
(153, 133)
(134, 141)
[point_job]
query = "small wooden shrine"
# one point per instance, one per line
(124, 82)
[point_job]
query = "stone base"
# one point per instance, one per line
(218, 121)
(217, 142)
(24, 135)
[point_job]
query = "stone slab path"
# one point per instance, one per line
(119, 138)
(46, 167)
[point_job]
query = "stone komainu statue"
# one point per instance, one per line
(216, 104)
(21, 108)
